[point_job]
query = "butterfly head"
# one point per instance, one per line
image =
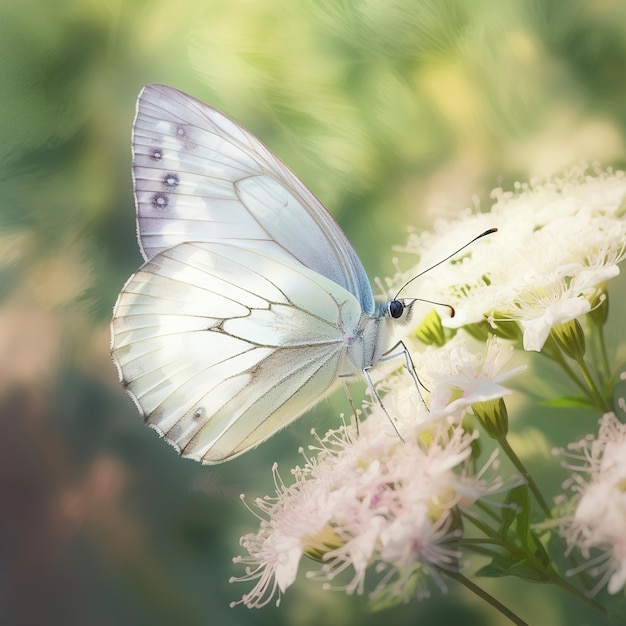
(399, 309)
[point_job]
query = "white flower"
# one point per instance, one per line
(368, 499)
(552, 300)
(478, 375)
(598, 522)
(456, 375)
(557, 244)
(275, 551)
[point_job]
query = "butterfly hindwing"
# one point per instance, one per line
(221, 345)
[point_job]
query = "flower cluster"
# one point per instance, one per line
(388, 505)
(368, 498)
(596, 523)
(557, 245)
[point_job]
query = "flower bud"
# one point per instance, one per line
(570, 337)
(431, 331)
(493, 417)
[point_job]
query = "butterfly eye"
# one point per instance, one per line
(396, 308)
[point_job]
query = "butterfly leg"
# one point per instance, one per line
(355, 414)
(400, 349)
(375, 394)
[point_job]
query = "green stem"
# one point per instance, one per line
(600, 344)
(553, 352)
(605, 356)
(524, 472)
(598, 398)
(487, 510)
(481, 593)
(486, 530)
(556, 580)
(497, 539)
(552, 577)
(588, 387)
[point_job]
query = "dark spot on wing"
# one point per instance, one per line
(157, 154)
(160, 201)
(185, 134)
(171, 180)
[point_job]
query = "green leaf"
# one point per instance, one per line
(579, 402)
(529, 571)
(517, 509)
(539, 551)
(508, 565)
(493, 570)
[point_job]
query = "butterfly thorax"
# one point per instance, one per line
(373, 335)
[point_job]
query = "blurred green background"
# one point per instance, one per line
(387, 109)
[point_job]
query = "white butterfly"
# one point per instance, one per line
(252, 304)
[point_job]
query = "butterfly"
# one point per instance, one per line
(251, 305)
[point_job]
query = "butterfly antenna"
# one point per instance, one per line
(469, 243)
(449, 306)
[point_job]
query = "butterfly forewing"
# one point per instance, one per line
(199, 176)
